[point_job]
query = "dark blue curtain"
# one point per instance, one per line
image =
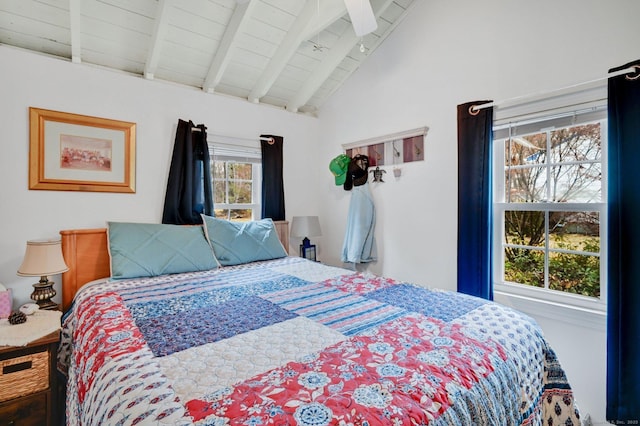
(189, 191)
(623, 281)
(272, 180)
(475, 129)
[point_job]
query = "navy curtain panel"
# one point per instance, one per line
(189, 191)
(475, 130)
(272, 181)
(623, 281)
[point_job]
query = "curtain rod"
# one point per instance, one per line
(266, 139)
(632, 69)
(233, 146)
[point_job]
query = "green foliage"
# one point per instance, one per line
(525, 267)
(575, 273)
(568, 272)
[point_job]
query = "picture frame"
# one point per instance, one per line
(73, 152)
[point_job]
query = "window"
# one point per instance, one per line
(550, 208)
(237, 184)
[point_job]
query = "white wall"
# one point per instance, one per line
(27, 79)
(444, 54)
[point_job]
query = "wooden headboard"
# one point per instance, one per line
(86, 254)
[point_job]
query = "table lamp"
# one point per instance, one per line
(305, 227)
(43, 258)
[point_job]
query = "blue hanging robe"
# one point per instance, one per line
(359, 242)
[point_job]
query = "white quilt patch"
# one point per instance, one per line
(202, 370)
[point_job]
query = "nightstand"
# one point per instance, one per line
(28, 382)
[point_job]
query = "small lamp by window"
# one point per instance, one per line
(41, 259)
(305, 227)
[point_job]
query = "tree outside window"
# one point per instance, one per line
(235, 190)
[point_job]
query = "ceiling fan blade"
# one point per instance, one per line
(362, 17)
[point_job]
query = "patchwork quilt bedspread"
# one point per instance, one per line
(295, 342)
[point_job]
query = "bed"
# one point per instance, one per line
(288, 341)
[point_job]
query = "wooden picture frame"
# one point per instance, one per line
(72, 152)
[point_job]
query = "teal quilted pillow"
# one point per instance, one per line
(235, 243)
(149, 249)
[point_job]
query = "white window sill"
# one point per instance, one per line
(583, 317)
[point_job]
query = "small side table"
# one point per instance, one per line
(28, 382)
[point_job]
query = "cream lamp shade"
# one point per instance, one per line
(305, 226)
(43, 258)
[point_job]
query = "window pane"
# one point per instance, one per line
(240, 215)
(577, 183)
(219, 192)
(240, 193)
(221, 213)
(524, 266)
(218, 169)
(526, 185)
(526, 150)
(240, 171)
(234, 187)
(524, 228)
(579, 143)
(578, 231)
(574, 273)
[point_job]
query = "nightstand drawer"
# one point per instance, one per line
(24, 375)
(31, 410)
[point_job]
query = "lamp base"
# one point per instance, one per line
(307, 250)
(43, 292)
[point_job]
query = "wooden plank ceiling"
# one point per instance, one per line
(291, 54)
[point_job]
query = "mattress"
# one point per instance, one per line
(295, 342)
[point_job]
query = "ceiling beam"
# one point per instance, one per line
(159, 31)
(329, 63)
(371, 48)
(331, 11)
(309, 22)
(74, 27)
(338, 52)
(285, 51)
(238, 21)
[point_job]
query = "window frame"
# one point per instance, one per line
(500, 205)
(242, 155)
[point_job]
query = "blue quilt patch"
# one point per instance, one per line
(201, 326)
(435, 304)
(205, 294)
(347, 313)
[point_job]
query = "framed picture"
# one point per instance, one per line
(308, 252)
(413, 148)
(72, 152)
(376, 154)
